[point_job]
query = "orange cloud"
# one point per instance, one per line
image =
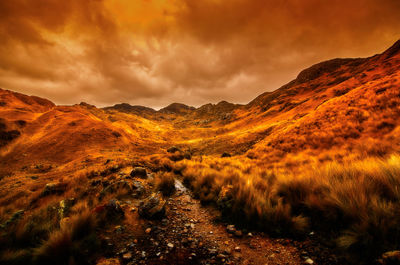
(154, 52)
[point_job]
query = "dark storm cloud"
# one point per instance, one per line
(160, 51)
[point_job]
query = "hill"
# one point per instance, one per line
(314, 163)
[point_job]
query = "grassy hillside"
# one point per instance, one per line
(318, 155)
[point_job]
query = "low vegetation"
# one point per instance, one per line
(356, 204)
(165, 182)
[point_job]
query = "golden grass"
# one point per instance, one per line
(357, 203)
(165, 182)
(71, 243)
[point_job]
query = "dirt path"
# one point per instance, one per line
(246, 249)
(189, 234)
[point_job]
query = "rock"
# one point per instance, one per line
(117, 186)
(119, 229)
(238, 233)
(212, 251)
(173, 149)
(138, 189)
(139, 172)
(54, 188)
(226, 154)
(391, 258)
(112, 210)
(114, 168)
(148, 230)
(231, 229)
(238, 249)
(221, 256)
(187, 156)
(308, 261)
(152, 207)
(178, 156)
(127, 256)
(65, 206)
(95, 182)
(170, 245)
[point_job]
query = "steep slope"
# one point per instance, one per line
(346, 104)
(35, 131)
(316, 160)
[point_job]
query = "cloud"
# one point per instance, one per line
(155, 52)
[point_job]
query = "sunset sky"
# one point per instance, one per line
(155, 52)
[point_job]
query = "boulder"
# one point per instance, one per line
(226, 154)
(176, 157)
(139, 172)
(308, 261)
(118, 185)
(152, 207)
(111, 210)
(173, 149)
(137, 189)
(391, 258)
(238, 233)
(187, 155)
(231, 229)
(54, 188)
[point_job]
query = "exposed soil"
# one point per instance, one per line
(194, 234)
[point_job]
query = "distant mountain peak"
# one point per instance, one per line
(128, 108)
(177, 108)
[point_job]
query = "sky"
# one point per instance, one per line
(156, 52)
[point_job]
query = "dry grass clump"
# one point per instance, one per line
(73, 242)
(242, 193)
(44, 239)
(165, 182)
(357, 203)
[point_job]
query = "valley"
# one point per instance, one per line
(308, 173)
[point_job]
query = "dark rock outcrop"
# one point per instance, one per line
(152, 207)
(139, 172)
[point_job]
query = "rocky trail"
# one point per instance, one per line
(190, 233)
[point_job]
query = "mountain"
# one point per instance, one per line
(318, 154)
(127, 108)
(177, 108)
(338, 102)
